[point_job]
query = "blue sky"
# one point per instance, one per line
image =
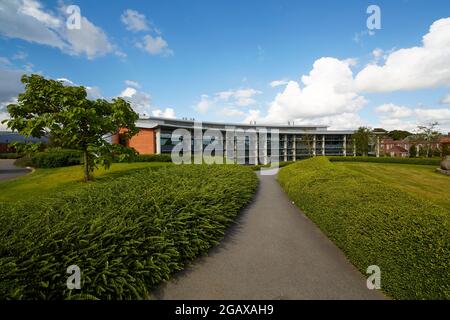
(216, 60)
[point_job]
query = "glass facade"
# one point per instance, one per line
(291, 146)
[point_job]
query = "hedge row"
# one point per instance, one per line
(376, 224)
(151, 158)
(9, 155)
(127, 235)
(52, 158)
(421, 161)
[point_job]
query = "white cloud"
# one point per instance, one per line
(155, 45)
(446, 99)
(327, 91)
(10, 84)
(134, 84)
(166, 113)
(426, 66)
(394, 110)
(231, 112)
(277, 83)
(204, 104)
(140, 101)
(401, 117)
(20, 55)
(30, 21)
(134, 21)
(226, 103)
(4, 61)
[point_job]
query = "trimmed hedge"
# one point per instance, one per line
(52, 158)
(9, 155)
(421, 161)
(280, 165)
(127, 234)
(151, 158)
(375, 223)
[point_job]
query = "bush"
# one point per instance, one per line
(55, 158)
(126, 234)
(151, 158)
(376, 224)
(421, 161)
(10, 155)
(280, 165)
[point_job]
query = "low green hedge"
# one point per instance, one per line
(280, 165)
(9, 155)
(421, 161)
(151, 158)
(52, 158)
(376, 224)
(127, 234)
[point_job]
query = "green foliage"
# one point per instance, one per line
(127, 234)
(413, 151)
(361, 139)
(49, 108)
(150, 158)
(423, 161)
(445, 149)
(9, 155)
(280, 165)
(398, 134)
(376, 223)
(56, 158)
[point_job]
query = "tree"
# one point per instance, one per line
(429, 135)
(361, 139)
(49, 108)
(398, 134)
(413, 151)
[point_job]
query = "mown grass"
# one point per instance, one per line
(419, 180)
(45, 182)
(126, 234)
(419, 161)
(376, 223)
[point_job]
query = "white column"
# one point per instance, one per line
(323, 144)
(294, 153)
(314, 145)
(345, 145)
(285, 147)
(378, 147)
(158, 140)
(354, 148)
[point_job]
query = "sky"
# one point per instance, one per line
(307, 62)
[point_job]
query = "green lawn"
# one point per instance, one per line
(421, 180)
(42, 182)
(381, 214)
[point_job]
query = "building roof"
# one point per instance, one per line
(398, 149)
(154, 122)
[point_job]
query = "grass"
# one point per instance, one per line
(127, 234)
(43, 182)
(378, 222)
(421, 180)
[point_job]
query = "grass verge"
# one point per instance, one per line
(419, 161)
(126, 234)
(376, 223)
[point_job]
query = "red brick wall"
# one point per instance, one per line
(144, 141)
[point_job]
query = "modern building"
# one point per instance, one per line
(294, 142)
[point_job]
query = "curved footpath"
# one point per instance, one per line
(8, 170)
(273, 252)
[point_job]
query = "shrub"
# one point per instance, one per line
(10, 155)
(126, 234)
(280, 165)
(52, 158)
(422, 161)
(376, 224)
(151, 158)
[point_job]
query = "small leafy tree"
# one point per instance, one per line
(361, 139)
(429, 135)
(49, 108)
(413, 151)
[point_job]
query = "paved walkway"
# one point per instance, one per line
(273, 252)
(8, 170)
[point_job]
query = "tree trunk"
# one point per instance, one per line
(86, 166)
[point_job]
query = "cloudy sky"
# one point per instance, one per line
(238, 61)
